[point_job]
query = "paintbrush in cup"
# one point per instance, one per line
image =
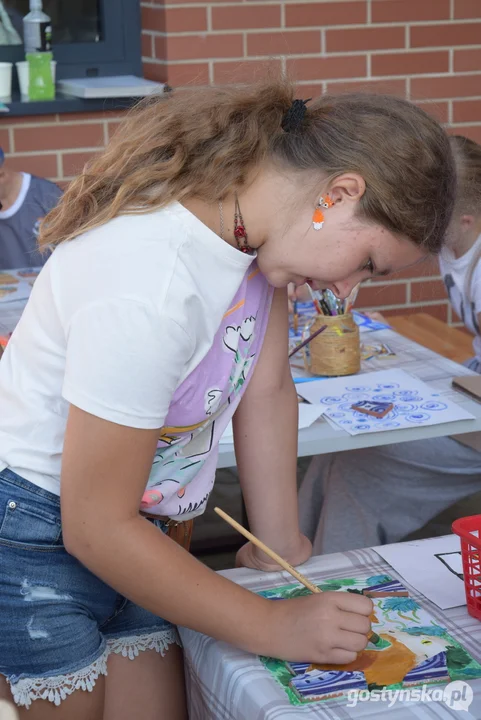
(372, 637)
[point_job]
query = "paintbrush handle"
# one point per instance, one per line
(273, 555)
(277, 558)
(307, 340)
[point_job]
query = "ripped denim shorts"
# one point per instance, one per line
(58, 621)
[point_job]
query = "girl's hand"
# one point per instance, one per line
(331, 627)
(251, 557)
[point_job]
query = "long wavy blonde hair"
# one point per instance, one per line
(206, 142)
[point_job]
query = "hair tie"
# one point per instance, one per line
(294, 117)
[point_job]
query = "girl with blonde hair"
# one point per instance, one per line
(162, 312)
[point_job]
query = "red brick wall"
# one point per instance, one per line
(426, 50)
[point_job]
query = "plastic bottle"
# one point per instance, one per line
(37, 29)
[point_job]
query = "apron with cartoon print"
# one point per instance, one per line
(183, 471)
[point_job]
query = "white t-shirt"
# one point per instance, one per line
(116, 321)
(455, 272)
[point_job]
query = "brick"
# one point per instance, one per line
(471, 131)
(439, 110)
(464, 9)
(246, 17)
(445, 35)
(427, 291)
(323, 14)
(391, 87)
(376, 295)
(308, 90)
(196, 2)
(465, 111)
(446, 87)
(249, 71)
(185, 19)
(58, 137)
(160, 47)
(147, 45)
(112, 128)
(187, 74)
(97, 115)
(410, 63)
(194, 47)
(439, 311)
(352, 39)
(29, 120)
(157, 71)
(328, 68)
(73, 163)
(284, 43)
(4, 141)
(42, 165)
(428, 268)
(467, 60)
(388, 11)
(153, 19)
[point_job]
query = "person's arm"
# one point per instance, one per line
(104, 472)
(265, 435)
(119, 394)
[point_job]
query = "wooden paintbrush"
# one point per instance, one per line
(372, 637)
(307, 340)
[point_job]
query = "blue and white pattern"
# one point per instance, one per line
(322, 684)
(415, 403)
(433, 670)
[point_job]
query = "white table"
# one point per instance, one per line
(224, 683)
(424, 364)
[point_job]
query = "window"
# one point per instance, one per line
(90, 37)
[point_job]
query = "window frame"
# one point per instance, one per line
(119, 53)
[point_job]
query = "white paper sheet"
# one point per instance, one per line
(431, 566)
(307, 415)
(415, 403)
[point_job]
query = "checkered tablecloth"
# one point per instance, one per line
(228, 684)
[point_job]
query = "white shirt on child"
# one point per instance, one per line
(455, 272)
(148, 318)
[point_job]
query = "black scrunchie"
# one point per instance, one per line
(294, 117)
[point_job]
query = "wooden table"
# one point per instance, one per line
(453, 343)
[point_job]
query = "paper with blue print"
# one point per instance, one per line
(415, 403)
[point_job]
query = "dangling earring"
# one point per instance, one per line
(318, 217)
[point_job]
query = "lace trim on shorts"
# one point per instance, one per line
(58, 688)
(131, 645)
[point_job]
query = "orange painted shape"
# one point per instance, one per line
(381, 667)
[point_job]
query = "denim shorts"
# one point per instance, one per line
(58, 621)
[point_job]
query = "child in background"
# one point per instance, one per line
(380, 495)
(161, 312)
(24, 201)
